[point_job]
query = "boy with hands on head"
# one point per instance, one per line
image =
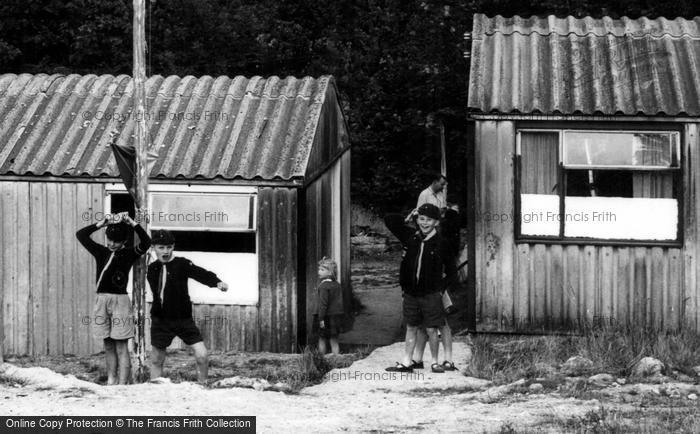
(113, 319)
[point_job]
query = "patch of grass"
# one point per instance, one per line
(510, 428)
(679, 417)
(612, 348)
(9, 382)
(502, 359)
(597, 421)
(44, 388)
(296, 370)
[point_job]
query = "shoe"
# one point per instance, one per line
(437, 368)
(448, 366)
(417, 365)
(400, 367)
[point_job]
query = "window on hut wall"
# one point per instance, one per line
(602, 185)
(214, 228)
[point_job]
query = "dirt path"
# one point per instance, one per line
(375, 285)
(362, 397)
(379, 323)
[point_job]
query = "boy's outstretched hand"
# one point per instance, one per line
(222, 286)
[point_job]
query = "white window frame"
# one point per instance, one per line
(119, 188)
(562, 149)
(562, 238)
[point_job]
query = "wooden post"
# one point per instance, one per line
(141, 187)
(443, 155)
(471, 226)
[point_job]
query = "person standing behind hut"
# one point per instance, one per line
(171, 312)
(330, 306)
(434, 194)
(113, 319)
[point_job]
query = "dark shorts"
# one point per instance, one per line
(333, 326)
(425, 311)
(164, 330)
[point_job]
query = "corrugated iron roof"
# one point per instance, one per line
(585, 66)
(244, 128)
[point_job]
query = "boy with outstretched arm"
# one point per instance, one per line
(171, 312)
(426, 267)
(113, 319)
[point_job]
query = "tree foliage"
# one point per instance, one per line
(397, 63)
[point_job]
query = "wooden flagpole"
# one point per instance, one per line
(140, 187)
(443, 155)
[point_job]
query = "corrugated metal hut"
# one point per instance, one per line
(252, 174)
(586, 149)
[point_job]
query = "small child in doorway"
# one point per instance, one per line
(171, 312)
(330, 306)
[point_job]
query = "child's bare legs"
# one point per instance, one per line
(322, 347)
(410, 345)
(202, 359)
(157, 360)
(447, 341)
(433, 343)
(335, 348)
(123, 359)
(111, 360)
(421, 340)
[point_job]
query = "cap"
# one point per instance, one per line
(118, 231)
(161, 236)
(429, 210)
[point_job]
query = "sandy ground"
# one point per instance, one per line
(362, 397)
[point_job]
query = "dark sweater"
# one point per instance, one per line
(175, 293)
(116, 275)
(437, 264)
(330, 298)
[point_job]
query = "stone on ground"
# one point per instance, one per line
(648, 367)
(576, 366)
(601, 380)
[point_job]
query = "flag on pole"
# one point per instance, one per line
(126, 163)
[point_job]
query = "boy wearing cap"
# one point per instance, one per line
(113, 319)
(171, 312)
(426, 266)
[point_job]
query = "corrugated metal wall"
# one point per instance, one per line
(331, 136)
(321, 204)
(690, 296)
(557, 285)
(345, 224)
(319, 240)
(47, 277)
(277, 249)
(494, 239)
(327, 204)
